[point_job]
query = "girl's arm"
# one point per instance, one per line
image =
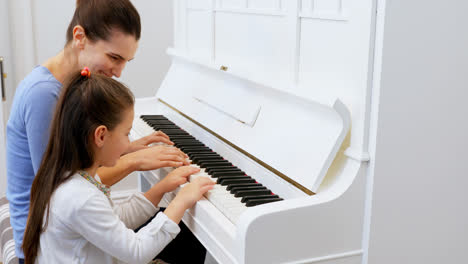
(139, 208)
(135, 210)
(97, 223)
(173, 180)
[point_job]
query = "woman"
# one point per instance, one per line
(103, 35)
(72, 218)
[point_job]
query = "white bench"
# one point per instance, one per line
(7, 244)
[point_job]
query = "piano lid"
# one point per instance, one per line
(295, 138)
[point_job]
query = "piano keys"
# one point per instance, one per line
(234, 190)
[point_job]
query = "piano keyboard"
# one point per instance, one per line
(234, 190)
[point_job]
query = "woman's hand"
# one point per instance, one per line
(187, 197)
(177, 177)
(142, 143)
(156, 157)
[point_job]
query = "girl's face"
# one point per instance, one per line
(108, 57)
(116, 142)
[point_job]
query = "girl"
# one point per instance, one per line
(72, 219)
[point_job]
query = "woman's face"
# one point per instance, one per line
(116, 142)
(109, 57)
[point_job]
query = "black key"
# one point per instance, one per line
(170, 131)
(236, 181)
(254, 202)
(208, 158)
(242, 193)
(232, 169)
(224, 168)
(181, 136)
(207, 155)
(195, 148)
(190, 153)
(160, 122)
(186, 140)
(158, 127)
(200, 155)
(214, 164)
(227, 173)
(204, 159)
(154, 117)
(199, 163)
(230, 186)
(223, 178)
(253, 197)
(226, 162)
(236, 190)
(157, 119)
(186, 144)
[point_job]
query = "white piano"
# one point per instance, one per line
(282, 90)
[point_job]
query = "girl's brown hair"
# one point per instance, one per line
(100, 17)
(84, 104)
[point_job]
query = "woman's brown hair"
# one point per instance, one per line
(84, 104)
(100, 17)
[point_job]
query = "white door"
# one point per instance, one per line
(2, 136)
(6, 86)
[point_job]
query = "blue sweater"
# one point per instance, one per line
(27, 136)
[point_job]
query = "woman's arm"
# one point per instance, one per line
(156, 137)
(150, 158)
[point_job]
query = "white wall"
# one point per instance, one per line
(145, 73)
(419, 207)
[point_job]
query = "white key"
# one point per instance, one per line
(234, 213)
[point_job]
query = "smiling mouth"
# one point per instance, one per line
(103, 73)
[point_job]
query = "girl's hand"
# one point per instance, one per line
(187, 197)
(193, 191)
(177, 177)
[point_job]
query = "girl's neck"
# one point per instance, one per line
(92, 170)
(62, 64)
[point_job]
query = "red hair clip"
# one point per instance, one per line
(85, 72)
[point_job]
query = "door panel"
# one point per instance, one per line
(7, 87)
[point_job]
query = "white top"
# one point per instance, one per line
(86, 227)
